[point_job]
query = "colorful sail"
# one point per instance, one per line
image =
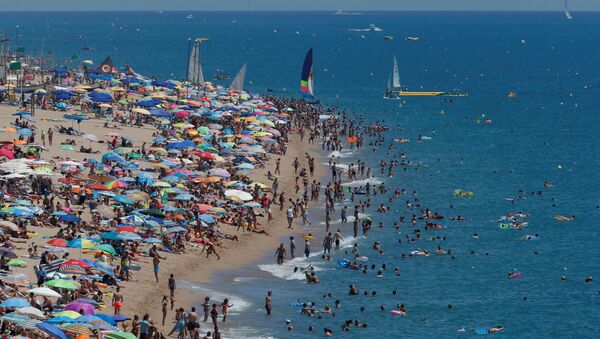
(306, 80)
(238, 82)
(107, 66)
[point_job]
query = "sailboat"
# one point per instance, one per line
(306, 78)
(393, 89)
(238, 82)
(194, 70)
(567, 13)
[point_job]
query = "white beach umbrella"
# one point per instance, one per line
(31, 312)
(44, 292)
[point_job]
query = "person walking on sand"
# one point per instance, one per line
(117, 301)
(292, 247)
(268, 306)
(156, 261)
(280, 254)
(43, 136)
(290, 216)
(277, 171)
(172, 287)
(165, 302)
(50, 134)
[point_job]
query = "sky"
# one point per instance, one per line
(347, 5)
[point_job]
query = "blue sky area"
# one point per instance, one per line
(239, 5)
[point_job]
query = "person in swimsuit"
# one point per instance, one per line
(117, 301)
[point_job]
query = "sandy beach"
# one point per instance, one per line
(142, 294)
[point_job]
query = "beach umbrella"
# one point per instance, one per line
(176, 229)
(128, 236)
(98, 187)
(7, 153)
(81, 263)
(57, 242)
(94, 319)
(238, 195)
(185, 197)
(15, 303)
(9, 225)
(62, 283)
(72, 269)
(44, 292)
(123, 199)
(56, 275)
(69, 314)
(79, 307)
(25, 131)
(206, 218)
(152, 241)
(52, 330)
(120, 335)
(161, 184)
(219, 172)
(80, 243)
(69, 218)
(82, 329)
(122, 229)
(61, 320)
(153, 212)
(31, 312)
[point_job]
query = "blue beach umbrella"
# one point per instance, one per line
(52, 330)
(123, 199)
(25, 131)
(69, 218)
(15, 303)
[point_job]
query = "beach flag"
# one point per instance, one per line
(107, 66)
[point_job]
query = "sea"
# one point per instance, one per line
(500, 148)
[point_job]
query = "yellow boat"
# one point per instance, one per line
(420, 94)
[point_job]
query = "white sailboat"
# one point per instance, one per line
(238, 82)
(194, 71)
(567, 13)
(393, 88)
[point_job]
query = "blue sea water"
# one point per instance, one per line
(548, 132)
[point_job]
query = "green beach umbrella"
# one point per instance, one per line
(120, 335)
(62, 283)
(105, 248)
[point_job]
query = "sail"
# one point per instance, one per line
(195, 74)
(238, 82)
(567, 13)
(107, 66)
(388, 88)
(396, 79)
(306, 79)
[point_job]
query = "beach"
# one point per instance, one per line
(142, 294)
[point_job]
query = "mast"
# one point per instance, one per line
(238, 82)
(396, 79)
